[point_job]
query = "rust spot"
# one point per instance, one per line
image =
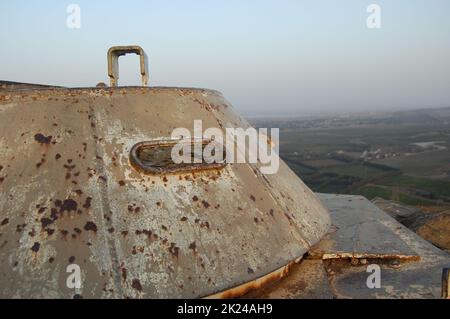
(69, 167)
(252, 198)
(193, 246)
(43, 139)
(205, 224)
(165, 179)
(250, 271)
(174, 250)
(124, 273)
(68, 205)
(54, 214)
(71, 259)
(4, 243)
(87, 203)
(40, 163)
(4, 222)
(45, 222)
(205, 204)
(19, 228)
(51, 259)
(183, 219)
(148, 233)
(136, 284)
(121, 183)
(36, 247)
(195, 198)
(90, 226)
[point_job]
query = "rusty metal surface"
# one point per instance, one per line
(366, 234)
(9, 86)
(256, 284)
(70, 195)
(307, 280)
(410, 267)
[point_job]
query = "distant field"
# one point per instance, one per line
(329, 160)
(319, 163)
(299, 168)
(358, 138)
(356, 170)
(371, 192)
(433, 186)
(431, 164)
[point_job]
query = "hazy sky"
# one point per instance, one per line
(267, 57)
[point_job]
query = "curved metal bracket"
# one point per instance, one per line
(113, 62)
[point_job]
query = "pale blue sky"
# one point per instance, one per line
(267, 57)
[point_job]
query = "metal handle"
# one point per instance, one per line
(113, 62)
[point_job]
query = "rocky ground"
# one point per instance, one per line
(433, 226)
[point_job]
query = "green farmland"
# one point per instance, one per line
(376, 160)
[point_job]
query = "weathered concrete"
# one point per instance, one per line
(361, 234)
(432, 226)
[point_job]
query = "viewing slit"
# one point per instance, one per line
(155, 157)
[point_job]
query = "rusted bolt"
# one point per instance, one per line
(354, 261)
